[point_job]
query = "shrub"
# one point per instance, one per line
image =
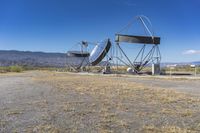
(4, 69)
(16, 69)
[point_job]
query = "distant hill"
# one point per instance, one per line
(196, 63)
(42, 59)
(27, 58)
(164, 64)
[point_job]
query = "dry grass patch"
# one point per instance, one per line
(13, 112)
(45, 129)
(3, 124)
(118, 105)
(165, 129)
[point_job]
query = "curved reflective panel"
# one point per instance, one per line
(99, 52)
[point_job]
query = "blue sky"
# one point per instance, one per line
(56, 25)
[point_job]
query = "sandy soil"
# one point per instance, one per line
(41, 101)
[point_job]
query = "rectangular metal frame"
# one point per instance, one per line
(137, 39)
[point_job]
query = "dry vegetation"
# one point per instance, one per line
(111, 104)
(11, 69)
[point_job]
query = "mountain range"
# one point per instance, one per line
(42, 59)
(27, 58)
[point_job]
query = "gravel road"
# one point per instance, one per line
(22, 101)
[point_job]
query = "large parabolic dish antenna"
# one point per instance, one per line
(99, 52)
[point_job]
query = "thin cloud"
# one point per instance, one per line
(191, 52)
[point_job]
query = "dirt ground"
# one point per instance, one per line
(43, 101)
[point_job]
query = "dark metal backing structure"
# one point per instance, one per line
(137, 39)
(77, 59)
(78, 54)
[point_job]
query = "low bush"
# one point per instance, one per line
(11, 69)
(16, 69)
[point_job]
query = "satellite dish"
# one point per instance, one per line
(99, 52)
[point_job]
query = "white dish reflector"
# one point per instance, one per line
(99, 52)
